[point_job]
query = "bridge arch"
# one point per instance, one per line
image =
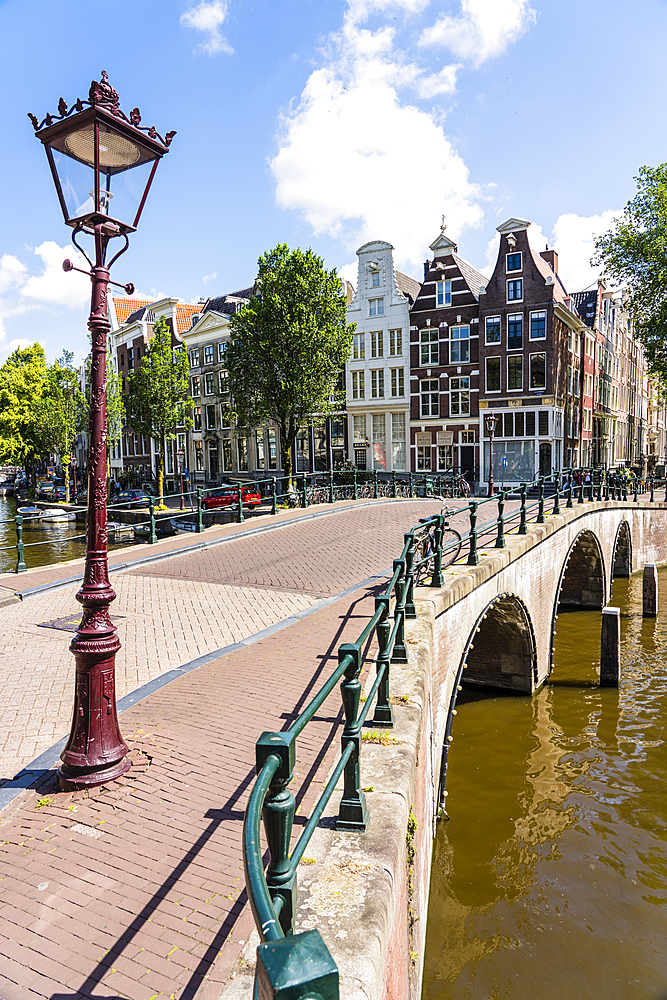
(583, 580)
(621, 560)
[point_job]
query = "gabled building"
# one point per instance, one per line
(444, 364)
(377, 375)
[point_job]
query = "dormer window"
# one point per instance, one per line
(443, 293)
(514, 261)
(375, 279)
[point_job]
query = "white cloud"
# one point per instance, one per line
(360, 163)
(12, 272)
(209, 277)
(53, 286)
(349, 272)
(573, 239)
(482, 30)
(209, 16)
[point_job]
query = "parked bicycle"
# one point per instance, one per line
(425, 547)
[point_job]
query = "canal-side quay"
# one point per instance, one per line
(146, 873)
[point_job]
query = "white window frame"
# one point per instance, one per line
(537, 312)
(515, 270)
(377, 343)
(430, 396)
(209, 353)
(209, 381)
(358, 385)
(507, 289)
(397, 381)
(359, 347)
(493, 357)
(537, 354)
(459, 341)
(429, 338)
(514, 357)
(454, 388)
(443, 293)
(514, 316)
(194, 358)
(396, 343)
(377, 383)
(493, 319)
(376, 307)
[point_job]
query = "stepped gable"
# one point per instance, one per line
(587, 304)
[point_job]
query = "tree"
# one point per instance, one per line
(288, 345)
(115, 402)
(61, 411)
(157, 401)
(22, 385)
(634, 253)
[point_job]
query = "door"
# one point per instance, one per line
(545, 458)
(467, 469)
(360, 458)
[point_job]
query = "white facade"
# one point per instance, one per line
(378, 374)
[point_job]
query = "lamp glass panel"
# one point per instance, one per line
(126, 190)
(77, 182)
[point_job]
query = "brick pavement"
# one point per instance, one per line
(136, 890)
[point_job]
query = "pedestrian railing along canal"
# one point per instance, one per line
(427, 549)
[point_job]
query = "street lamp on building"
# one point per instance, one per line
(491, 423)
(103, 164)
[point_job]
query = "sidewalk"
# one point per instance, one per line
(136, 890)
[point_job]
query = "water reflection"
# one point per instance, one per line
(65, 541)
(550, 879)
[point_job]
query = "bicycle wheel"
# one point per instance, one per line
(453, 539)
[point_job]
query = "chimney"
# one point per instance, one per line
(551, 258)
(427, 268)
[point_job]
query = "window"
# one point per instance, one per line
(459, 396)
(210, 416)
(359, 347)
(122, 360)
(379, 441)
(209, 381)
(429, 346)
(515, 372)
(196, 418)
(493, 329)
(273, 450)
(225, 417)
(199, 456)
(514, 261)
(530, 424)
(430, 391)
(518, 424)
(377, 344)
(544, 421)
(514, 332)
(208, 355)
(508, 424)
(359, 428)
(377, 383)
(222, 347)
(443, 293)
(195, 381)
(514, 289)
(194, 358)
(538, 373)
(130, 358)
(423, 457)
(445, 456)
(493, 374)
(223, 383)
(538, 325)
(467, 437)
(358, 391)
(395, 343)
(459, 348)
(227, 454)
(242, 452)
(375, 279)
(397, 382)
(376, 307)
(260, 450)
(398, 440)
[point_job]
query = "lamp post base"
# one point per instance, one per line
(72, 779)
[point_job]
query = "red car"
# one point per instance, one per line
(228, 496)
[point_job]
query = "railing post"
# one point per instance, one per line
(599, 496)
(354, 494)
(353, 811)
(500, 538)
(580, 498)
(393, 486)
(473, 557)
(20, 559)
(540, 505)
(200, 520)
(556, 509)
(410, 487)
(274, 497)
(399, 652)
(278, 816)
(652, 497)
(239, 506)
(332, 498)
(384, 713)
(636, 498)
(410, 609)
(304, 492)
(570, 502)
(375, 484)
(523, 525)
(624, 488)
(152, 538)
(437, 578)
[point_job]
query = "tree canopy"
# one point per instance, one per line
(634, 253)
(288, 345)
(22, 386)
(157, 401)
(61, 411)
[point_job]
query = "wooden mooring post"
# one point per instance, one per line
(650, 591)
(610, 647)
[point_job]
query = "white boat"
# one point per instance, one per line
(53, 516)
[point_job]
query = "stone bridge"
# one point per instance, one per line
(491, 624)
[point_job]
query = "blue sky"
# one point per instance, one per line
(326, 124)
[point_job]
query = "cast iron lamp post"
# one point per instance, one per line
(103, 164)
(491, 422)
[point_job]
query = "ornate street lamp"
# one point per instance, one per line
(103, 164)
(491, 423)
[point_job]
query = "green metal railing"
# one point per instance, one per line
(273, 893)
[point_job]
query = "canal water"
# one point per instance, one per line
(549, 881)
(54, 542)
